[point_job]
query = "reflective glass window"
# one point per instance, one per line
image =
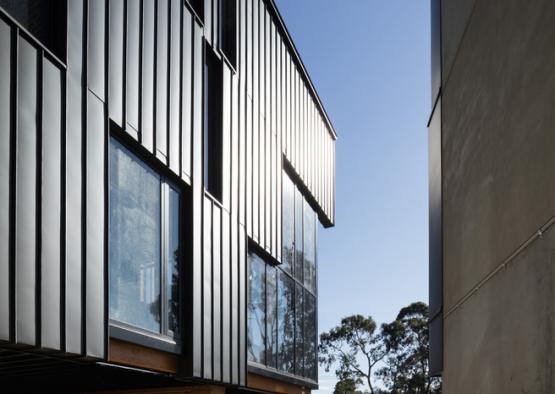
(299, 235)
(144, 245)
(299, 330)
(309, 332)
(256, 309)
(134, 241)
(286, 323)
(309, 249)
(288, 224)
(173, 258)
(271, 315)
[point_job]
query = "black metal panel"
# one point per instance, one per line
(51, 197)
(215, 23)
(5, 143)
(132, 59)
(262, 133)
(225, 299)
(147, 74)
(187, 93)
(162, 54)
(73, 177)
(226, 137)
(242, 305)
(26, 193)
(207, 290)
(435, 239)
(239, 108)
(255, 119)
(249, 167)
(196, 344)
(248, 70)
(115, 61)
(95, 321)
(216, 292)
(208, 20)
(175, 87)
(234, 148)
(234, 314)
(96, 46)
(261, 180)
(241, 41)
(267, 147)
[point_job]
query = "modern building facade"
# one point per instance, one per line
(492, 196)
(165, 166)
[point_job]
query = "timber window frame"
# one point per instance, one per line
(166, 286)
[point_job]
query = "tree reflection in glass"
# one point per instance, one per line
(288, 224)
(309, 249)
(299, 235)
(256, 309)
(286, 323)
(310, 367)
(173, 262)
(134, 240)
(271, 316)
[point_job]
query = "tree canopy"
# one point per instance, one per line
(391, 359)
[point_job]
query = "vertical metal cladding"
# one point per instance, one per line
(96, 47)
(148, 74)
(73, 175)
(115, 62)
(26, 192)
(6, 122)
(175, 87)
(207, 271)
(242, 305)
(95, 318)
(132, 65)
(51, 210)
(187, 93)
(225, 298)
(161, 78)
(197, 191)
(216, 225)
(137, 66)
(226, 137)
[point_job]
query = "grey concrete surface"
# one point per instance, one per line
(498, 129)
(502, 340)
(455, 15)
(498, 139)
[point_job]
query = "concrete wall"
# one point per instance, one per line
(498, 150)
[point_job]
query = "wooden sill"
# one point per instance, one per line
(132, 355)
(263, 383)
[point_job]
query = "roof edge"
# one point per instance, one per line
(297, 58)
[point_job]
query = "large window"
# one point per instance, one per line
(144, 246)
(282, 298)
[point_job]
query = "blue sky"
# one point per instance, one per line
(370, 62)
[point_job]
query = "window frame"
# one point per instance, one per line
(163, 341)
